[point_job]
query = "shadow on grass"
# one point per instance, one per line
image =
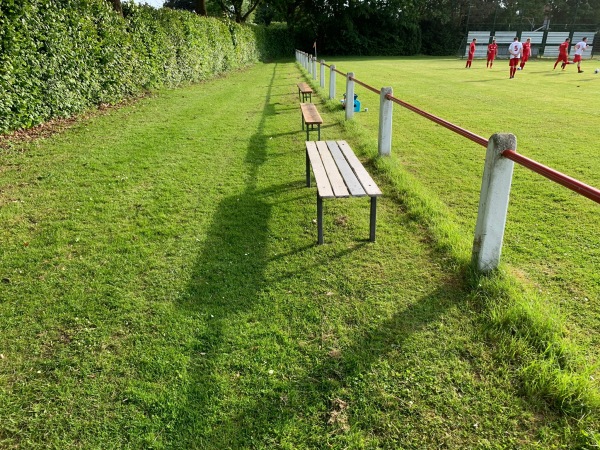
(228, 280)
(308, 400)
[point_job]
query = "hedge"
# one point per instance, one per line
(61, 57)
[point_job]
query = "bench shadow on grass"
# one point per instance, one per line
(228, 279)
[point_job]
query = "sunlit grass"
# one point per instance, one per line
(161, 288)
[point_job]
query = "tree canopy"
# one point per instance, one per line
(401, 27)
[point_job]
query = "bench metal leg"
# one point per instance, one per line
(373, 218)
(303, 123)
(319, 128)
(307, 129)
(319, 219)
(307, 170)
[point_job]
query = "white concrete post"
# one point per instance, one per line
(322, 74)
(314, 72)
(493, 202)
(308, 64)
(331, 82)
(349, 95)
(386, 108)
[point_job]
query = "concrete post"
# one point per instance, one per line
(314, 71)
(386, 109)
(493, 203)
(322, 75)
(349, 96)
(331, 82)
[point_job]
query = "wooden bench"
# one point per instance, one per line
(304, 92)
(339, 174)
(311, 117)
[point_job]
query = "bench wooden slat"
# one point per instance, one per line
(352, 182)
(305, 88)
(323, 185)
(335, 177)
(365, 179)
(310, 113)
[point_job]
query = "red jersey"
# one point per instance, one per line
(492, 50)
(526, 49)
(562, 49)
(472, 48)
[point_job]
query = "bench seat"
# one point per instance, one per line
(304, 92)
(339, 174)
(311, 117)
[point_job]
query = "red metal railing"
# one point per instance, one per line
(366, 86)
(458, 130)
(575, 185)
(571, 183)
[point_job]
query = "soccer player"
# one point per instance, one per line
(563, 54)
(579, 49)
(515, 50)
(492, 52)
(526, 52)
(471, 53)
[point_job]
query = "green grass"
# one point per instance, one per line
(161, 288)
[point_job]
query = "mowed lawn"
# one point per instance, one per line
(161, 286)
(552, 240)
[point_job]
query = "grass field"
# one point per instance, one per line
(161, 286)
(551, 241)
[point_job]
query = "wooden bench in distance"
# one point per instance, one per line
(339, 174)
(311, 117)
(304, 92)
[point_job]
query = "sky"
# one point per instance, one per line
(155, 3)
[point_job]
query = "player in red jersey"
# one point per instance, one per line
(492, 52)
(563, 54)
(526, 52)
(515, 50)
(471, 53)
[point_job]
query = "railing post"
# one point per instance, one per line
(349, 95)
(331, 82)
(493, 202)
(386, 108)
(322, 75)
(314, 71)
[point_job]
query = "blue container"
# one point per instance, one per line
(356, 104)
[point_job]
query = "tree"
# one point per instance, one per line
(116, 4)
(197, 6)
(235, 9)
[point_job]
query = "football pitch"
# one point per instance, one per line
(551, 241)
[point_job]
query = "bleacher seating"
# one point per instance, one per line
(553, 40)
(483, 39)
(505, 38)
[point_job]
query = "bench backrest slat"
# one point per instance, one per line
(352, 182)
(323, 185)
(365, 179)
(335, 177)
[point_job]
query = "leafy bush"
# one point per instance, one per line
(60, 57)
